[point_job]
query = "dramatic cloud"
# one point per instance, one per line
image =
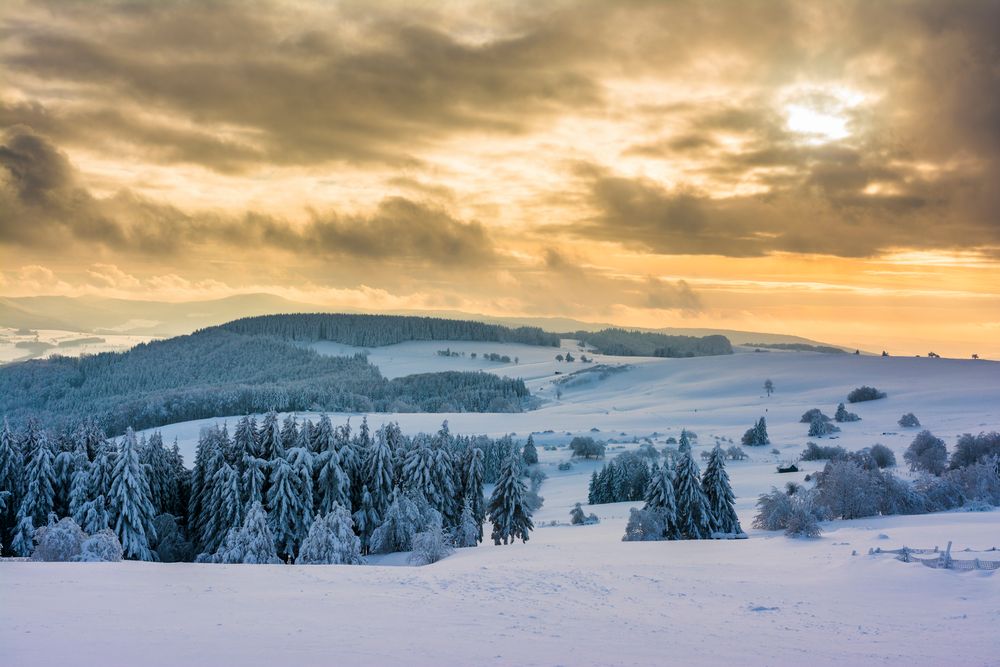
(626, 160)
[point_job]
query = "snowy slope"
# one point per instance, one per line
(578, 595)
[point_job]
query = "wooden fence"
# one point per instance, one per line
(941, 559)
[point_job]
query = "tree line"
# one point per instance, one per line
(277, 491)
(217, 372)
(622, 342)
(379, 330)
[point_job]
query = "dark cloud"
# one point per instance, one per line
(41, 205)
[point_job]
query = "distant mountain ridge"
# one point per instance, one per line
(162, 318)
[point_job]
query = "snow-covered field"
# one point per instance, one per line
(43, 343)
(579, 595)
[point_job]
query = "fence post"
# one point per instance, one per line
(947, 555)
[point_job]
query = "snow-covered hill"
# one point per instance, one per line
(579, 595)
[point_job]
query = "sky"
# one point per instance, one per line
(826, 169)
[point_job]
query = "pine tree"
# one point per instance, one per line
(721, 501)
(469, 533)
(96, 516)
(130, 502)
(366, 520)
(290, 500)
(253, 543)
(333, 486)
(509, 514)
(24, 534)
(11, 487)
(443, 482)
(269, 439)
(684, 444)
(39, 493)
(160, 472)
(530, 453)
(472, 488)
(80, 492)
(331, 541)
(252, 483)
(660, 498)
(245, 438)
(694, 518)
(403, 519)
(592, 489)
(227, 504)
(321, 435)
(289, 433)
(379, 471)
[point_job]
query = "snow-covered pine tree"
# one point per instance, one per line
(331, 541)
(79, 492)
(290, 501)
(721, 501)
(227, 505)
(289, 433)
(11, 482)
(530, 453)
(96, 516)
(321, 435)
(39, 490)
(24, 536)
(443, 479)
(269, 438)
(472, 488)
(509, 514)
(333, 486)
(469, 533)
(245, 441)
(253, 543)
(660, 498)
(366, 519)
(417, 476)
(160, 471)
(684, 444)
(403, 519)
(592, 489)
(130, 503)
(379, 471)
(694, 518)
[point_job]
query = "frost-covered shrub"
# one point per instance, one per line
(102, 546)
(939, 493)
(882, 455)
(909, 420)
(736, 453)
(795, 514)
(978, 482)
(865, 393)
(645, 526)
(897, 496)
(820, 427)
(848, 491)
(431, 545)
(58, 542)
(576, 515)
(926, 453)
(842, 415)
(809, 415)
(331, 540)
(587, 447)
(532, 500)
(814, 452)
(971, 449)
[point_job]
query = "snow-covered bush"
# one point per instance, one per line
(102, 546)
(848, 491)
(331, 540)
(909, 420)
(865, 393)
(971, 449)
(58, 542)
(927, 453)
(736, 453)
(587, 447)
(842, 415)
(405, 517)
(809, 415)
(978, 482)
(882, 455)
(253, 543)
(644, 525)
(814, 452)
(578, 518)
(431, 545)
(819, 427)
(795, 514)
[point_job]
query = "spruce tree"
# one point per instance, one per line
(469, 532)
(227, 504)
(366, 520)
(721, 501)
(379, 471)
(509, 514)
(39, 493)
(269, 438)
(592, 489)
(253, 543)
(289, 433)
(529, 453)
(694, 518)
(403, 519)
(290, 501)
(11, 482)
(684, 445)
(130, 502)
(333, 486)
(472, 488)
(331, 541)
(660, 498)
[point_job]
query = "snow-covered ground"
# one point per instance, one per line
(579, 595)
(43, 343)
